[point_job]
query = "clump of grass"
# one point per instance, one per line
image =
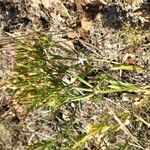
(38, 75)
(43, 78)
(44, 145)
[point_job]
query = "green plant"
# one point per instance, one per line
(43, 77)
(131, 36)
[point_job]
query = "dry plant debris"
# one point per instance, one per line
(74, 74)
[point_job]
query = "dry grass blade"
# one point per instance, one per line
(142, 120)
(123, 127)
